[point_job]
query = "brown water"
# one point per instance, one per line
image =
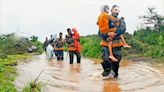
(86, 77)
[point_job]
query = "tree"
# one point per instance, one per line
(34, 38)
(154, 19)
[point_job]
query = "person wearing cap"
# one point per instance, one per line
(59, 47)
(72, 40)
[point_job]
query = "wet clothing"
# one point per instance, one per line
(59, 49)
(73, 46)
(107, 64)
(71, 56)
(60, 55)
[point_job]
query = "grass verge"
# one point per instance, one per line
(8, 71)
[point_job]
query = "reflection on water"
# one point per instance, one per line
(111, 86)
(74, 69)
(86, 77)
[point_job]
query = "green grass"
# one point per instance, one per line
(8, 72)
(32, 87)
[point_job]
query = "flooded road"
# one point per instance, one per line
(86, 77)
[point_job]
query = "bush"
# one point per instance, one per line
(12, 44)
(90, 46)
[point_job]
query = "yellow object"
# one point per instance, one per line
(59, 48)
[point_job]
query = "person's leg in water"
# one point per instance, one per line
(106, 64)
(124, 42)
(62, 55)
(71, 56)
(78, 56)
(55, 52)
(115, 65)
(58, 55)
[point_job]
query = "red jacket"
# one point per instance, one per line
(76, 38)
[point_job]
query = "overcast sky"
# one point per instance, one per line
(45, 17)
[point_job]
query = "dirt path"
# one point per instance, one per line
(63, 77)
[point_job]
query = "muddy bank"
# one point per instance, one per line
(86, 77)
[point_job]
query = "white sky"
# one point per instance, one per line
(45, 17)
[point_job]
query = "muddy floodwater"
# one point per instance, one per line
(86, 77)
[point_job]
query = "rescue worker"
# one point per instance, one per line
(72, 40)
(59, 47)
(110, 27)
(117, 43)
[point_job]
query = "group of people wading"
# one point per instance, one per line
(111, 30)
(55, 46)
